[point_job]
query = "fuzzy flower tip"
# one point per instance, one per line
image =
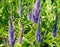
(10, 33)
(54, 28)
(36, 11)
(38, 35)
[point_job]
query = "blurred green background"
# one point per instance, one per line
(47, 18)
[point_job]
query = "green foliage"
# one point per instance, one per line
(47, 17)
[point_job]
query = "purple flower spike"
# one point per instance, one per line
(36, 11)
(20, 8)
(38, 35)
(10, 33)
(54, 28)
(21, 35)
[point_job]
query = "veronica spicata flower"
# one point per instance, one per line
(36, 11)
(55, 25)
(20, 7)
(10, 32)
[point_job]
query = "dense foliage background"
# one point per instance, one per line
(47, 18)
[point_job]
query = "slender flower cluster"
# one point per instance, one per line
(21, 35)
(38, 31)
(36, 11)
(20, 8)
(10, 32)
(54, 28)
